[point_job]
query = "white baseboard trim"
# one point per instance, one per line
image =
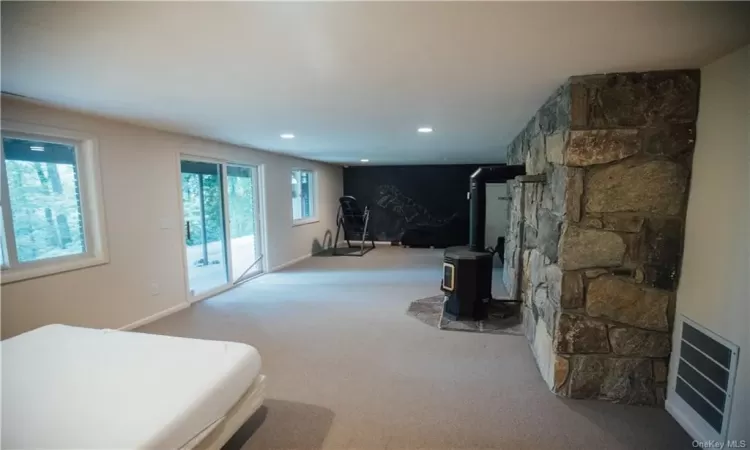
(680, 417)
(154, 317)
(289, 263)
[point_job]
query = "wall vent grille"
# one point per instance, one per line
(705, 374)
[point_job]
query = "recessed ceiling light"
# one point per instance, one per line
(287, 136)
(364, 160)
(36, 148)
(424, 130)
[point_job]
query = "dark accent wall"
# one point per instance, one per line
(427, 203)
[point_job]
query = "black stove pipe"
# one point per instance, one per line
(478, 199)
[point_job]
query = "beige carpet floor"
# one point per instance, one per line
(348, 369)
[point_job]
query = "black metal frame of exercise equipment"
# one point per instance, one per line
(353, 220)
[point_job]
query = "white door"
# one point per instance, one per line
(498, 203)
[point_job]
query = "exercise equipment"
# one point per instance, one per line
(354, 221)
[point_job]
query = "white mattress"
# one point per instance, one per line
(69, 387)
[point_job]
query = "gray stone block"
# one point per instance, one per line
(573, 194)
(627, 341)
(620, 380)
(553, 277)
(555, 145)
(586, 376)
(656, 187)
(623, 301)
(669, 140)
(536, 158)
(639, 99)
(548, 234)
(582, 248)
(589, 147)
(580, 334)
(571, 296)
(628, 380)
(663, 242)
(625, 223)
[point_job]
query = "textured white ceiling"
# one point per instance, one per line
(350, 80)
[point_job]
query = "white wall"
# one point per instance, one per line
(141, 190)
(714, 285)
(498, 212)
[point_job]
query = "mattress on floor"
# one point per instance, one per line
(70, 387)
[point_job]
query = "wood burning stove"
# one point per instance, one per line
(467, 282)
(467, 271)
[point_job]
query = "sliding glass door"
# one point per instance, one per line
(203, 210)
(243, 221)
(219, 201)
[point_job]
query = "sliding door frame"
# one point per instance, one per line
(260, 229)
(255, 172)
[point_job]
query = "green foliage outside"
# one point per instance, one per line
(241, 206)
(45, 208)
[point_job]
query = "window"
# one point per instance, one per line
(303, 196)
(49, 204)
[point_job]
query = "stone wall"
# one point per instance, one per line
(603, 234)
(537, 218)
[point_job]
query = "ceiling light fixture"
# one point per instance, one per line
(364, 160)
(424, 130)
(287, 136)
(36, 148)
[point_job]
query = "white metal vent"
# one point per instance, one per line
(704, 381)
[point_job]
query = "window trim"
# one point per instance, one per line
(92, 206)
(314, 217)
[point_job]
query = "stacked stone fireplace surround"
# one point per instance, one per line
(603, 234)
